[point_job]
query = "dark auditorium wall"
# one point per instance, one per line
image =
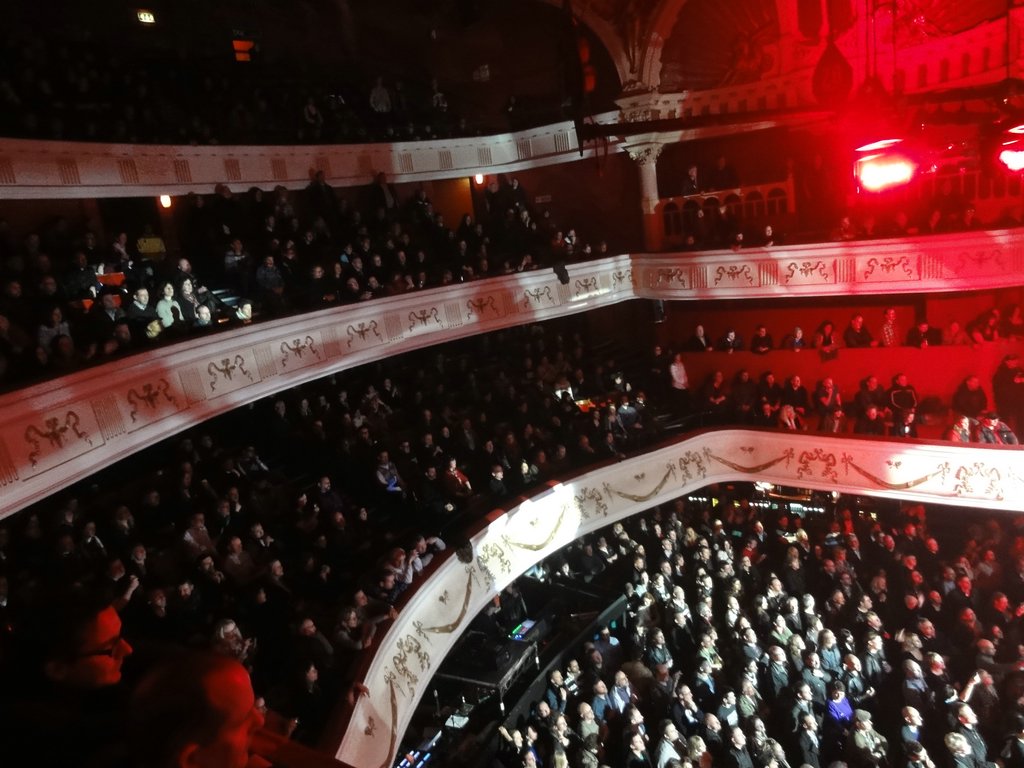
(599, 197)
(27, 216)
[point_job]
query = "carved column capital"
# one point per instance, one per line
(645, 154)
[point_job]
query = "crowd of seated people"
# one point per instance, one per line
(721, 226)
(762, 638)
(68, 300)
(283, 534)
(874, 409)
(80, 90)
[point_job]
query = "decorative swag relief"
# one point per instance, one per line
(442, 607)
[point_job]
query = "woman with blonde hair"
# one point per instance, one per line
(791, 420)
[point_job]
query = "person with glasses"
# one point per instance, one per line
(63, 703)
(195, 709)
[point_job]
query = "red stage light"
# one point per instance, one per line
(883, 171)
(874, 146)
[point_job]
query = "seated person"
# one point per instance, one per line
(795, 341)
(139, 312)
(790, 419)
(765, 416)
(825, 340)
(829, 404)
(985, 327)
(902, 395)
(993, 431)
(872, 394)
(970, 399)
(870, 422)
(955, 336)
(167, 308)
(730, 341)
(905, 425)
(795, 394)
(856, 336)
(961, 430)
(769, 392)
(699, 342)
(762, 341)
(923, 335)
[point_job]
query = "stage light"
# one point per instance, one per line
(479, 179)
(884, 171)
(1013, 159)
(243, 49)
(874, 146)
(165, 201)
(145, 17)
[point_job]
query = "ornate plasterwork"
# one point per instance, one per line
(428, 627)
(967, 261)
(645, 154)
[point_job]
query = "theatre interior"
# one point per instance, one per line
(562, 383)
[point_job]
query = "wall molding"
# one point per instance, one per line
(61, 431)
(34, 169)
(441, 608)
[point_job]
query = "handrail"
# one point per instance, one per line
(509, 542)
(60, 431)
(31, 169)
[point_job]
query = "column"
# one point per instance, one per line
(646, 155)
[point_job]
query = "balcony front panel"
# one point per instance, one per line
(964, 261)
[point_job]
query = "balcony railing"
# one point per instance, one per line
(61, 431)
(511, 541)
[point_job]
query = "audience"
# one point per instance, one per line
(262, 256)
(847, 686)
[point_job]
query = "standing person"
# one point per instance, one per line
(680, 385)
(889, 333)
(1008, 390)
(866, 747)
(829, 404)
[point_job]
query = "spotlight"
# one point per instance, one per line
(145, 17)
(1011, 154)
(165, 201)
(479, 179)
(880, 165)
(880, 172)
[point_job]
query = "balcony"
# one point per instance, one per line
(60, 431)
